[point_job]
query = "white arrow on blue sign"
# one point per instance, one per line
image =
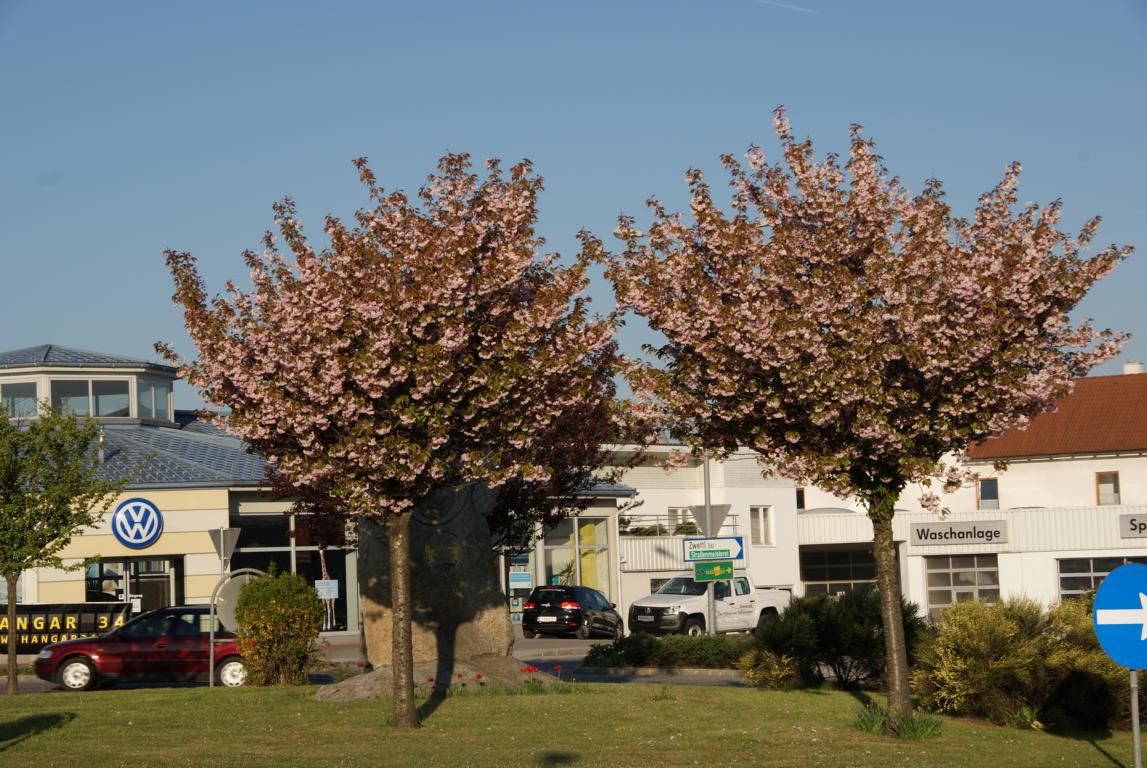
(1121, 616)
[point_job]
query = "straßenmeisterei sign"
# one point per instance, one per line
(941, 534)
(1133, 526)
(39, 625)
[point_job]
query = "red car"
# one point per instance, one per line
(169, 644)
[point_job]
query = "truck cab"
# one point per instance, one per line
(680, 605)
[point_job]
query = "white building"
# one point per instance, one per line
(1070, 507)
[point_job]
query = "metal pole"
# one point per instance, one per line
(1135, 717)
(711, 602)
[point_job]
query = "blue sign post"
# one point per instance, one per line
(1121, 628)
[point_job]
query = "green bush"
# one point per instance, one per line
(983, 660)
(279, 618)
(843, 634)
(644, 650)
(1016, 664)
(766, 669)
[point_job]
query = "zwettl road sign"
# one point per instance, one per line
(723, 548)
(1121, 616)
(717, 570)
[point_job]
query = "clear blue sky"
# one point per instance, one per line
(130, 127)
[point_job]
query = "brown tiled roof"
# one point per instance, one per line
(1104, 414)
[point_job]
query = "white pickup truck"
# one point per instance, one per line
(680, 606)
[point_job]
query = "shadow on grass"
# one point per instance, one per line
(13, 732)
(861, 696)
(1108, 755)
(557, 758)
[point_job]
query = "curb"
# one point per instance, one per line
(723, 674)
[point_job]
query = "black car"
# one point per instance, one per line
(579, 611)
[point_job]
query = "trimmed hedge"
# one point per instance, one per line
(678, 651)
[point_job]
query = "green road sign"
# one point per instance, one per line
(718, 570)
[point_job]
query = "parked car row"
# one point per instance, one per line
(680, 605)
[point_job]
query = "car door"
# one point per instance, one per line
(746, 603)
(139, 644)
(185, 647)
(607, 619)
(725, 607)
(591, 612)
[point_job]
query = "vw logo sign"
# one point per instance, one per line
(137, 523)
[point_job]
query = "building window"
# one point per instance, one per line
(111, 398)
(957, 578)
(292, 546)
(18, 399)
(1107, 487)
(99, 397)
(153, 399)
(577, 553)
(761, 525)
(800, 499)
(1080, 575)
(837, 571)
(989, 493)
(70, 396)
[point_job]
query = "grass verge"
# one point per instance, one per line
(615, 725)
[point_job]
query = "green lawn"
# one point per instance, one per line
(595, 725)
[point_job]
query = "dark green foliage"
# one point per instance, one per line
(279, 620)
(841, 634)
(644, 650)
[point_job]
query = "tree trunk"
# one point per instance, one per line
(402, 663)
(887, 579)
(11, 578)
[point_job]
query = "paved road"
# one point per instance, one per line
(561, 656)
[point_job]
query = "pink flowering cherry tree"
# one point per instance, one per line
(854, 334)
(430, 345)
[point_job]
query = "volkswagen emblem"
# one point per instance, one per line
(137, 523)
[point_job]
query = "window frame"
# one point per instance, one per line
(980, 492)
(766, 525)
(132, 411)
(36, 399)
(1099, 502)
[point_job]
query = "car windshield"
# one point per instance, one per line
(681, 585)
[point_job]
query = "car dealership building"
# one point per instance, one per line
(1071, 506)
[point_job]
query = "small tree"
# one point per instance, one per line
(853, 334)
(49, 489)
(279, 619)
(428, 347)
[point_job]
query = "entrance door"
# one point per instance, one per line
(152, 582)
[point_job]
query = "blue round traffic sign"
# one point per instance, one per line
(137, 523)
(1121, 616)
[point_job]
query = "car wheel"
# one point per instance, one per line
(694, 628)
(529, 634)
(231, 672)
(583, 631)
(77, 674)
(619, 630)
(766, 618)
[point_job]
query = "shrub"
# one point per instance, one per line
(843, 634)
(279, 619)
(983, 660)
(766, 669)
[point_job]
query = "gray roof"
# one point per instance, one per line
(55, 356)
(163, 456)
